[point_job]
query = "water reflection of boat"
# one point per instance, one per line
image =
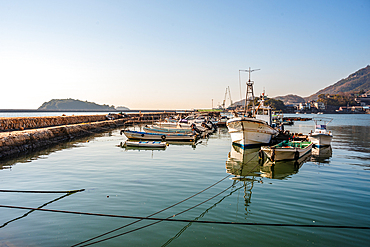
(321, 155)
(283, 169)
(147, 144)
(245, 164)
(128, 147)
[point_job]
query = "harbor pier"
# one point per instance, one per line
(24, 134)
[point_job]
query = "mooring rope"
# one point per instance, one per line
(201, 215)
(118, 235)
(136, 229)
(183, 220)
(173, 205)
(43, 205)
(42, 191)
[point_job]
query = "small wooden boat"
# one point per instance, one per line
(159, 129)
(147, 144)
(287, 150)
(138, 135)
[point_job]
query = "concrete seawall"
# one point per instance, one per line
(24, 134)
(20, 123)
(18, 142)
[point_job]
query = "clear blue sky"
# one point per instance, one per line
(175, 54)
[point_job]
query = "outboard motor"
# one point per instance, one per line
(214, 127)
(205, 125)
(194, 128)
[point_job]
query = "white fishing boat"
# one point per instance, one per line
(139, 135)
(321, 136)
(146, 144)
(287, 150)
(253, 127)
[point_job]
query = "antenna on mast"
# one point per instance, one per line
(249, 90)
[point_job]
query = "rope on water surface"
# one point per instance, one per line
(119, 228)
(42, 191)
(179, 220)
(118, 235)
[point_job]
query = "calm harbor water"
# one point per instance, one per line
(329, 187)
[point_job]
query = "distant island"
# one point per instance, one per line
(74, 104)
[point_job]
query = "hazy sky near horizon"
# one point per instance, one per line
(175, 54)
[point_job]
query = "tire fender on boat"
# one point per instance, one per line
(296, 155)
(261, 154)
(163, 137)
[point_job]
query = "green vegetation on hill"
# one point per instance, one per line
(275, 104)
(73, 104)
(337, 100)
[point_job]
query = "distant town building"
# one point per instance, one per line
(319, 105)
(353, 109)
(363, 99)
(304, 106)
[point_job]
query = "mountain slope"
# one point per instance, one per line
(290, 99)
(356, 82)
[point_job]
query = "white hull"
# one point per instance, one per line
(250, 131)
(320, 139)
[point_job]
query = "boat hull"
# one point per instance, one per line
(250, 131)
(137, 135)
(275, 153)
(320, 140)
(154, 129)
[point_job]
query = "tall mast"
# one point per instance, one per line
(249, 91)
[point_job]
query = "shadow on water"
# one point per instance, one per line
(42, 153)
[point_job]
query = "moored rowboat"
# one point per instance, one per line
(138, 135)
(287, 150)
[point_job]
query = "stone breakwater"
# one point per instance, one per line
(18, 142)
(21, 123)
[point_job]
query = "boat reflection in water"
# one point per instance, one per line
(122, 145)
(175, 143)
(245, 164)
(321, 155)
(283, 169)
(247, 167)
